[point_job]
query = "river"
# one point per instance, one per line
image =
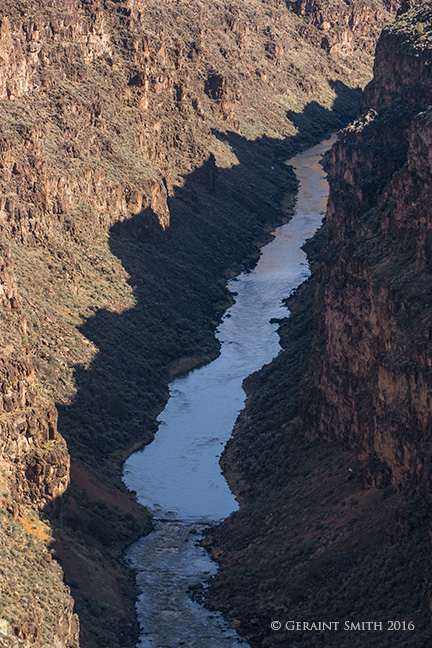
(178, 476)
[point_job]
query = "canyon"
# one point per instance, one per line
(142, 164)
(336, 478)
(178, 475)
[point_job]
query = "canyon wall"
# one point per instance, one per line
(139, 141)
(34, 475)
(331, 458)
(369, 384)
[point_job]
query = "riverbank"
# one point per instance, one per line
(311, 541)
(243, 227)
(178, 476)
(332, 464)
(234, 211)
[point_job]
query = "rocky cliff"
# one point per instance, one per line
(331, 458)
(370, 382)
(34, 474)
(139, 141)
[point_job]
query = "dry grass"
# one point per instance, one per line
(33, 595)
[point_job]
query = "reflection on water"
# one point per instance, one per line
(178, 475)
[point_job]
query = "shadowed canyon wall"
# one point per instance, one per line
(331, 458)
(370, 382)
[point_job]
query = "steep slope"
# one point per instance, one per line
(139, 142)
(372, 380)
(333, 466)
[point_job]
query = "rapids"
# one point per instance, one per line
(178, 476)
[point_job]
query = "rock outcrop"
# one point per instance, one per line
(369, 384)
(31, 448)
(340, 26)
(8, 287)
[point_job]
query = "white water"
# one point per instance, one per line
(178, 476)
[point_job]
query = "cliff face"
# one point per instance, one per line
(34, 474)
(82, 62)
(341, 26)
(30, 441)
(135, 140)
(369, 384)
(331, 457)
(34, 455)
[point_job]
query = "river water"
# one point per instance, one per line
(178, 476)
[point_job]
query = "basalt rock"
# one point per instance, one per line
(32, 452)
(370, 382)
(8, 288)
(340, 26)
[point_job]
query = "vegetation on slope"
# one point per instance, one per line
(331, 458)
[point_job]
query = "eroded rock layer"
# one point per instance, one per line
(370, 383)
(141, 164)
